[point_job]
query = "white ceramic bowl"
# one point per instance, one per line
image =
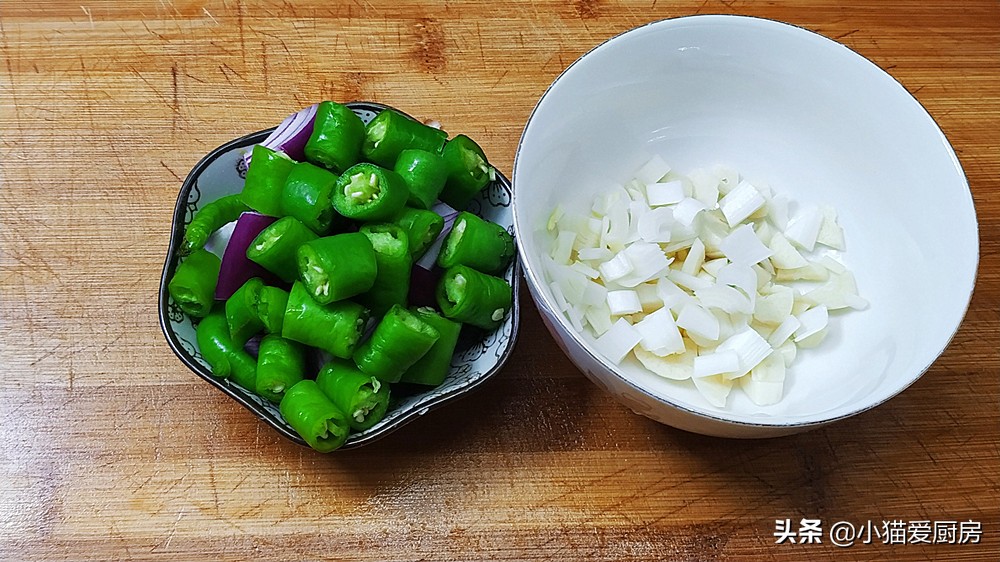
(817, 122)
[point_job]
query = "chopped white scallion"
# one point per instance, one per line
(743, 246)
(700, 277)
(741, 202)
(696, 320)
(715, 363)
(660, 335)
(803, 228)
(687, 210)
(652, 171)
(615, 268)
(811, 321)
(623, 302)
(618, 341)
(666, 193)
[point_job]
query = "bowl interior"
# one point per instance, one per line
(479, 355)
(815, 121)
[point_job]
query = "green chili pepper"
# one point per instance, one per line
(276, 246)
(336, 138)
(280, 364)
(314, 417)
(370, 193)
(391, 132)
(193, 285)
(399, 340)
(477, 243)
(266, 180)
(432, 368)
(468, 171)
(475, 298)
(362, 397)
(337, 267)
(392, 256)
(422, 228)
(241, 311)
(425, 174)
(270, 308)
(335, 327)
(226, 358)
(210, 218)
(306, 196)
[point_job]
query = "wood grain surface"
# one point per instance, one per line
(114, 450)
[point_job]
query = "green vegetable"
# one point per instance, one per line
(362, 397)
(210, 218)
(314, 417)
(266, 180)
(425, 174)
(337, 267)
(468, 171)
(334, 327)
(422, 229)
(276, 246)
(392, 256)
(280, 364)
(370, 193)
(475, 298)
(270, 308)
(193, 285)
(399, 340)
(336, 139)
(241, 312)
(390, 133)
(306, 196)
(477, 243)
(433, 367)
(226, 358)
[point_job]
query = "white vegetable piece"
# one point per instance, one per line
(705, 187)
(618, 341)
(564, 247)
(715, 363)
(594, 294)
(714, 389)
(803, 228)
(599, 318)
(728, 177)
(615, 268)
(648, 262)
(724, 298)
(670, 294)
(832, 264)
(775, 307)
(741, 202)
(649, 297)
(594, 254)
(712, 267)
(623, 302)
(784, 331)
(695, 258)
(763, 393)
(830, 233)
(557, 294)
(771, 369)
(660, 335)
(656, 225)
(696, 320)
(785, 255)
(666, 193)
(811, 321)
(687, 210)
(652, 171)
(811, 272)
(749, 347)
(742, 277)
(687, 281)
(777, 211)
(743, 246)
(678, 366)
(575, 318)
(585, 270)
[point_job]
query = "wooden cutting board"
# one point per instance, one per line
(114, 450)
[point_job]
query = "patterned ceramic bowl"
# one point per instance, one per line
(820, 124)
(477, 358)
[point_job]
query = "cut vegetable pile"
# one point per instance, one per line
(322, 253)
(706, 277)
